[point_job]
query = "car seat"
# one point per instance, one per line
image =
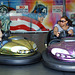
(50, 36)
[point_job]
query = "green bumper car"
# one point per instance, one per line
(17, 50)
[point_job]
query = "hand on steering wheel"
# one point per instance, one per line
(63, 34)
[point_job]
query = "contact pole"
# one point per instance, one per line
(64, 7)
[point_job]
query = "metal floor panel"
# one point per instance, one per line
(34, 69)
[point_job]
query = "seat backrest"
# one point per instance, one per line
(74, 30)
(50, 36)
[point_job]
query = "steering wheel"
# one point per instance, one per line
(51, 38)
(5, 35)
(54, 41)
(58, 39)
(63, 34)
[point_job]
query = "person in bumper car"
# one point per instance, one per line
(64, 24)
(2, 42)
(0, 31)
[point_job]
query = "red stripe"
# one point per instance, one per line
(19, 27)
(11, 9)
(29, 20)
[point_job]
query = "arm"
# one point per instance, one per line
(70, 32)
(56, 31)
(0, 35)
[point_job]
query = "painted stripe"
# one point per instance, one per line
(28, 20)
(21, 27)
(22, 22)
(24, 31)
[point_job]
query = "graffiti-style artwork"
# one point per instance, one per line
(33, 16)
(26, 21)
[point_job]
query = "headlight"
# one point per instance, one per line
(34, 45)
(58, 55)
(23, 51)
(59, 50)
(36, 49)
(63, 56)
(18, 48)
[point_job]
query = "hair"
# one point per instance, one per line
(67, 19)
(58, 21)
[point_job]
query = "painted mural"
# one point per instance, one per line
(32, 15)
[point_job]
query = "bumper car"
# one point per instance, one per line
(18, 50)
(60, 52)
